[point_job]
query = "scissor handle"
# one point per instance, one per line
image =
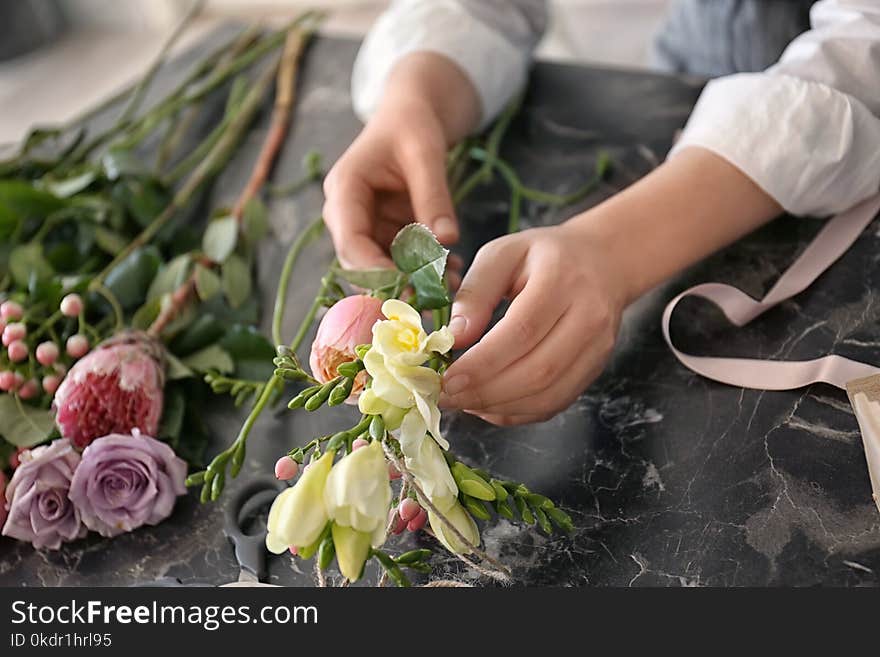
(250, 550)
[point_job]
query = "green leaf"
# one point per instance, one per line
(207, 282)
(146, 314)
(109, 241)
(430, 289)
(120, 162)
(131, 278)
(27, 201)
(220, 238)
(205, 330)
(28, 261)
(236, 280)
(175, 369)
(144, 198)
(210, 358)
(250, 350)
(414, 247)
(24, 426)
(172, 414)
(170, 277)
(70, 186)
(369, 279)
(255, 221)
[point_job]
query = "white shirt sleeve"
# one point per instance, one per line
(806, 130)
(490, 40)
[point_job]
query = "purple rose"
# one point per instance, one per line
(40, 510)
(124, 482)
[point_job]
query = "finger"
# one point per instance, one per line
(431, 201)
(487, 282)
(510, 420)
(536, 371)
(531, 317)
(453, 280)
(455, 262)
(348, 216)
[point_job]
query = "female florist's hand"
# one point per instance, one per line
(395, 171)
(555, 337)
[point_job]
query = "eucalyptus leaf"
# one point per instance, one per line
(210, 358)
(131, 278)
(27, 201)
(27, 261)
(109, 241)
(255, 221)
(173, 411)
(220, 238)
(170, 277)
(204, 330)
(207, 282)
(250, 350)
(146, 314)
(24, 426)
(236, 280)
(175, 369)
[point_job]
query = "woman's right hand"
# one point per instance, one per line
(394, 173)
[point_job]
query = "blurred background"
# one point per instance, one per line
(60, 57)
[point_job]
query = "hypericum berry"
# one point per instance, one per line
(393, 472)
(286, 468)
(293, 550)
(47, 353)
(408, 509)
(11, 310)
(51, 383)
(358, 443)
(395, 522)
(7, 381)
(77, 345)
(12, 332)
(71, 305)
(17, 351)
(418, 522)
(29, 389)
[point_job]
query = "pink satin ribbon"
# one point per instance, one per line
(833, 240)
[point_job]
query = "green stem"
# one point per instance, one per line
(305, 238)
(206, 170)
(306, 323)
(119, 316)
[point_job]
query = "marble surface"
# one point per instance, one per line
(671, 480)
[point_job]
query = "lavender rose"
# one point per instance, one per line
(124, 482)
(40, 510)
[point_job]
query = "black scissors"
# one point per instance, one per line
(245, 527)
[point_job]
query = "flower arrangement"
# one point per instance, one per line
(116, 318)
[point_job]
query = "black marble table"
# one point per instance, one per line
(671, 480)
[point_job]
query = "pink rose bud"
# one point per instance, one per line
(116, 388)
(286, 468)
(13, 332)
(358, 443)
(17, 351)
(395, 522)
(29, 389)
(77, 345)
(418, 522)
(71, 305)
(393, 472)
(11, 310)
(51, 383)
(408, 509)
(47, 353)
(347, 324)
(7, 381)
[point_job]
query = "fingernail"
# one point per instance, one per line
(444, 227)
(456, 384)
(457, 325)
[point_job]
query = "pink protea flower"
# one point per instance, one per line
(116, 388)
(347, 324)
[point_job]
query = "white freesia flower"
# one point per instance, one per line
(298, 515)
(461, 519)
(424, 459)
(395, 363)
(358, 494)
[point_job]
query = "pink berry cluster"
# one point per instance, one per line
(28, 362)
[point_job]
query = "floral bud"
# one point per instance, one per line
(358, 443)
(409, 509)
(17, 351)
(29, 389)
(77, 345)
(13, 332)
(286, 468)
(47, 353)
(11, 310)
(393, 472)
(71, 305)
(51, 383)
(298, 515)
(418, 522)
(396, 523)
(7, 381)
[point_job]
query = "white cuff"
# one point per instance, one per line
(496, 68)
(814, 149)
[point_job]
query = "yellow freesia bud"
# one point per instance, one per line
(298, 515)
(352, 550)
(461, 519)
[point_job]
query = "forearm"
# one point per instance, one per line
(683, 211)
(425, 81)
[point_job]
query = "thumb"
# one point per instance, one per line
(487, 282)
(431, 201)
